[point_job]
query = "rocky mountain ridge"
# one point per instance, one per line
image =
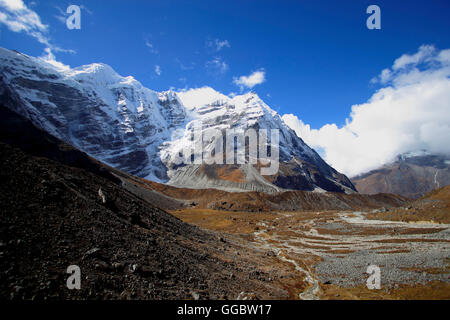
(411, 175)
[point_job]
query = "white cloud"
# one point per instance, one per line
(252, 80)
(425, 52)
(217, 44)
(183, 66)
(149, 45)
(62, 16)
(217, 65)
(50, 58)
(19, 18)
(385, 75)
(423, 65)
(158, 70)
(13, 5)
(411, 113)
(200, 96)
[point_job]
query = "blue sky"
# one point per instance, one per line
(318, 57)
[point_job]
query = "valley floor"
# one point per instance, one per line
(328, 252)
(62, 208)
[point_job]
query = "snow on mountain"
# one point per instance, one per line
(300, 166)
(120, 122)
(112, 118)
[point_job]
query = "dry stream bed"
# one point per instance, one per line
(329, 252)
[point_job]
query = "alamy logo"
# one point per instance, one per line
(74, 281)
(374, 20)
(251, 146)
(74, 20)
(374, 281)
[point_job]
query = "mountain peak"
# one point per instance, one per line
(100, 71)
(120, 122)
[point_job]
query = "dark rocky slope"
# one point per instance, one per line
(52, 216)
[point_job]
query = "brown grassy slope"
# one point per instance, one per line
(433, 207)
(264, 202)
(430, 291)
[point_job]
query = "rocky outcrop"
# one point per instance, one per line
(410, 176)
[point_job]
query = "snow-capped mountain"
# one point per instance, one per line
(114, 119)
(120, 122)
(300, 166)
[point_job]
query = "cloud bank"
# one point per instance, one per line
(17, 17)
(218, 44)
(410, 113)
(251, 80)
